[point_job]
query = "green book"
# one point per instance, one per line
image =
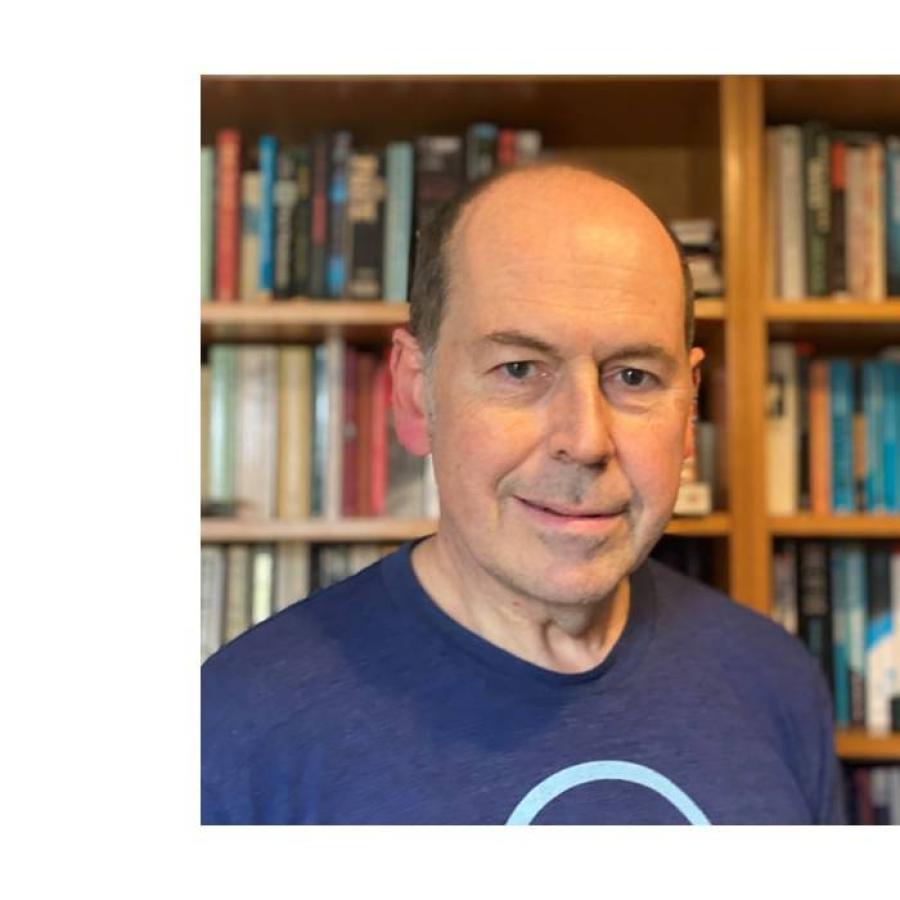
(222, 422)
(207, 222)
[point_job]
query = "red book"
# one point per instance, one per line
(365, 383)
(381, 404)
(506, 147)
(351, 431)
(228, 213)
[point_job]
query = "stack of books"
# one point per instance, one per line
(700, 240)
(872, 795)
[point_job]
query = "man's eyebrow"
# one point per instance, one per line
(642, 351)
(515, 338)
(519, 339)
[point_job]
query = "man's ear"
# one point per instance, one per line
(408, 393)
(695, 358)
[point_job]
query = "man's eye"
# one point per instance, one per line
(518, 370)
(634, 377)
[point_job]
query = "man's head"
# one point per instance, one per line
(553, 386)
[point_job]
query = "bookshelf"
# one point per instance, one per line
(692, 146)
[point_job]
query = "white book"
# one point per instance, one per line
(782, 430)
(262, 590)
(212, 598)
(237, 595)
(791, 214)
(257, 445)
(292, 571)
(334, 459)
(362, 556)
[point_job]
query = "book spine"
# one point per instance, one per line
(782, 429)
(892, 214)
(319, 222)
(300, 230)
(321, 428)
(222, 422)
(819, 438)
(336, 270)
(207, 223)
(481, 150)
(212, 598)
(890, 446)
(263, 583)
(285, 196)
(773, 211)
(815, 613)
(528, 144)
(506, 147)
(268, 168)
(856, 631)
(855, 221)
(875, 271)
(792, 246)
(365, 225)
(840, 663)
(250, 200)
(784, 592)
(841, 392)
(350, 442)
(873, 409)
(439, 174)
(292, 563)
(237, 601)
(295, 432)
(817, 206)
(334, 456)
(837, 236)
(398, 220)
(895, 630)
(228, 211)
(365, 376)
(879, 663)
(803, 354)
(205, 391)
(860, 440)
(381, 401)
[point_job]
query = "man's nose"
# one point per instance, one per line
(580, 422)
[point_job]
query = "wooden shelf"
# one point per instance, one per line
(386, 529)
(818, 310)
(304, 319)
(860, 745)
(875, 323)
(840, 526)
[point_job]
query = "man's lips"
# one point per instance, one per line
(571, 512)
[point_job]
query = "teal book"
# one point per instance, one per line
(857, 594)
(873, 411)
(320, 428)
(840, 668)
(268, 168)
(222, 423)
(890, 373)
(207, 223)
(841, 393)
(398, 220)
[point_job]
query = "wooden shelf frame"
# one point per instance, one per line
(862, 525)
(861, 746)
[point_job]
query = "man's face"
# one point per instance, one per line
(561, 389)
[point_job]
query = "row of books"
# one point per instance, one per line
(834, 212)
(329, 219)
(244, 584)
(872, 795)
(294, 431)
(699, 238)
(832, 431)
(842, 599)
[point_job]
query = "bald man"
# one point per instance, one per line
(527, 663)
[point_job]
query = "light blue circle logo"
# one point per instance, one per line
(603, 770)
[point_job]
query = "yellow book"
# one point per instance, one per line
(295, 426)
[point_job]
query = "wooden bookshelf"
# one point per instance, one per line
(815, 309)
(867, 525)
(860, 746)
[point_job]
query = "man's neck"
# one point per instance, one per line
(559, 637)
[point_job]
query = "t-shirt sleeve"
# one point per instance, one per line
(830, 805)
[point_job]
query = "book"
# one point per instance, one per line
(895, 630)
(320, 429)
(814, 613)
(300, 228)
(782, 429)
(262, 591)
(365, 381)
(257, 411)
(268, 169)
(405, 496)
(212, 598)
(481, 150)
(350, 435)
(205, 388)
(365, 225)
(890, 456)
(819, 437)
(773, 212)
(332, 501)
(398, 220)
(860, 454)
(295, 431)
(528, 144)
(237, 596)
(875, 283)
(249, 269)
(840, 665)
(817, 197)
(840, 388)
(804, 352)
(381, 404)
(892, 214)
(292, 573)
(318, 245)
(837, 235)
(222, 423)
(439, 174)
(336, 265)
(791, 214)
(506, 147)
(879, 642)
(857, 590)
(855, 219)
(228, 211)
(207, 223)
(784, 589)
(873, 411)
(285, 196)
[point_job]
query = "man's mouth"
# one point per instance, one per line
(574, 512)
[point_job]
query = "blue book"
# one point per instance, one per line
(891, 435)
(398, 220)
(892, 213)
(857, 599)
(873, 410)
(268, 168)
(841, 391)
(336, 261)
(840, 665)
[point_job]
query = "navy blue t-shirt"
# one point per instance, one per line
(366, 703)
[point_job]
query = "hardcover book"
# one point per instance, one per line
(207, 223)
(286, 197)
(251, 183)
(782, 429)
(295, 431)
(212, 598)
(222, 422)
(268, 167)
(816, 153)
(336, 270)
(365, 225)
(398, 220)
(228, 207)
(300, 228)
(237, 599)
(318, 253)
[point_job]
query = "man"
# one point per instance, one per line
(526, 663)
